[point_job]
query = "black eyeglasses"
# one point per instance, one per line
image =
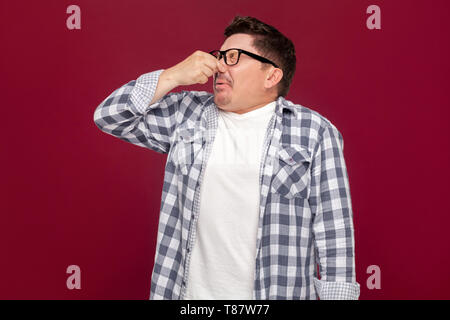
(231, 56)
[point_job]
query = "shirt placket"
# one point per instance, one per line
(211, 115)
(271, 143)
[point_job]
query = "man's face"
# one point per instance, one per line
(241, 86)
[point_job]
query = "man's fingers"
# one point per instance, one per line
(203, 79)
(202, 65)
(208, 71)
(212, 64)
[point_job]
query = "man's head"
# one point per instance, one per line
(251, 83)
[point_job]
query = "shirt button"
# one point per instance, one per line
(192, 217)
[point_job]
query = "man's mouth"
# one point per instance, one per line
(222, 84)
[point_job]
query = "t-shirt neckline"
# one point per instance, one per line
(268, 108)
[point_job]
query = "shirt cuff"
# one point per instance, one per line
(144, 90)
(331, 290)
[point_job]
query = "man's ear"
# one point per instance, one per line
(273, 77)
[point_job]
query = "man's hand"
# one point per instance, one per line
(196, 68)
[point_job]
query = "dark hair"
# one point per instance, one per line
(270, 43)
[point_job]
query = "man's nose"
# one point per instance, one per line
(222, 65)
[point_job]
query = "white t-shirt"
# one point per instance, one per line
(223, 258)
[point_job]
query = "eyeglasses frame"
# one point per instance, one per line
(250, 54)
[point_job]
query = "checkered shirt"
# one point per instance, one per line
(305, 212)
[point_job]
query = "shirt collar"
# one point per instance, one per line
(286, 104)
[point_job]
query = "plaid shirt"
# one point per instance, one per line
(305, 213)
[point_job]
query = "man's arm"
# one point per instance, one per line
(143, 113)
(129, 114)
(333, 224)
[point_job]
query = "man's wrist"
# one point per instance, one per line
(169, 79)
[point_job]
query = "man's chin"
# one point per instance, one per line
(221, 100)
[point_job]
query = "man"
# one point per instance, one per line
(255, 191)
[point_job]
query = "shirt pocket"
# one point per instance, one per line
(188, 145)
(293, 176)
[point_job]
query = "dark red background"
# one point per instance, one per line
(74, 195)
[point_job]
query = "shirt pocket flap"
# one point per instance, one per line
(190, 134)
(293, 156)
(188, 148)
(292, 177)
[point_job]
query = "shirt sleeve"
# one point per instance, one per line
(333, 231)
(127, 114)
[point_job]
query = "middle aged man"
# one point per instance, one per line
(255, 190)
